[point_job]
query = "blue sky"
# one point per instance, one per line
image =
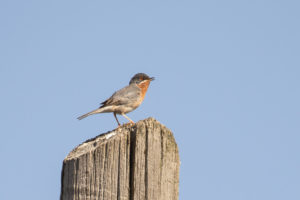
(227, 85)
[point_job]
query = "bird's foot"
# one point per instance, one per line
(129, 123)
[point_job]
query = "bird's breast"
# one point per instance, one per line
(144, 87)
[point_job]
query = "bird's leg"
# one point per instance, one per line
(132, 122)
(117, 119)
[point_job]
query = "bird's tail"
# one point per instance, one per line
(99, 110)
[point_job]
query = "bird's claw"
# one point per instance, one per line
(129, 123)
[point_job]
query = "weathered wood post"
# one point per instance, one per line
(138, 162)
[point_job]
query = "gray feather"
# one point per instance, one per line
(89, 113)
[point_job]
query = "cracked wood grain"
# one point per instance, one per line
(139, 162)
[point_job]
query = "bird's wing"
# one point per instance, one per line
(123, 96)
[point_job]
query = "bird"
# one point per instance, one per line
(126, 99)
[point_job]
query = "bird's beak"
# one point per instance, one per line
(152, 78)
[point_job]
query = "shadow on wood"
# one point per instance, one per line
(129, 163)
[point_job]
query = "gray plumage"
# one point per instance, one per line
(126, 99)
(120, 102)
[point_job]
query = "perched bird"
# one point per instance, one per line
(125, 100)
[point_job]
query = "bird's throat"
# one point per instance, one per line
(144, 87)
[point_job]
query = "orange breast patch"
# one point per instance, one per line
(144, 87)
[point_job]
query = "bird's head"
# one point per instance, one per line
(139, 78)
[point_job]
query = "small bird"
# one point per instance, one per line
(126, 99)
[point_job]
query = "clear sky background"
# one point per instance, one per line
(227, 85)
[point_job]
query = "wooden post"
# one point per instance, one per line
(133, 162)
